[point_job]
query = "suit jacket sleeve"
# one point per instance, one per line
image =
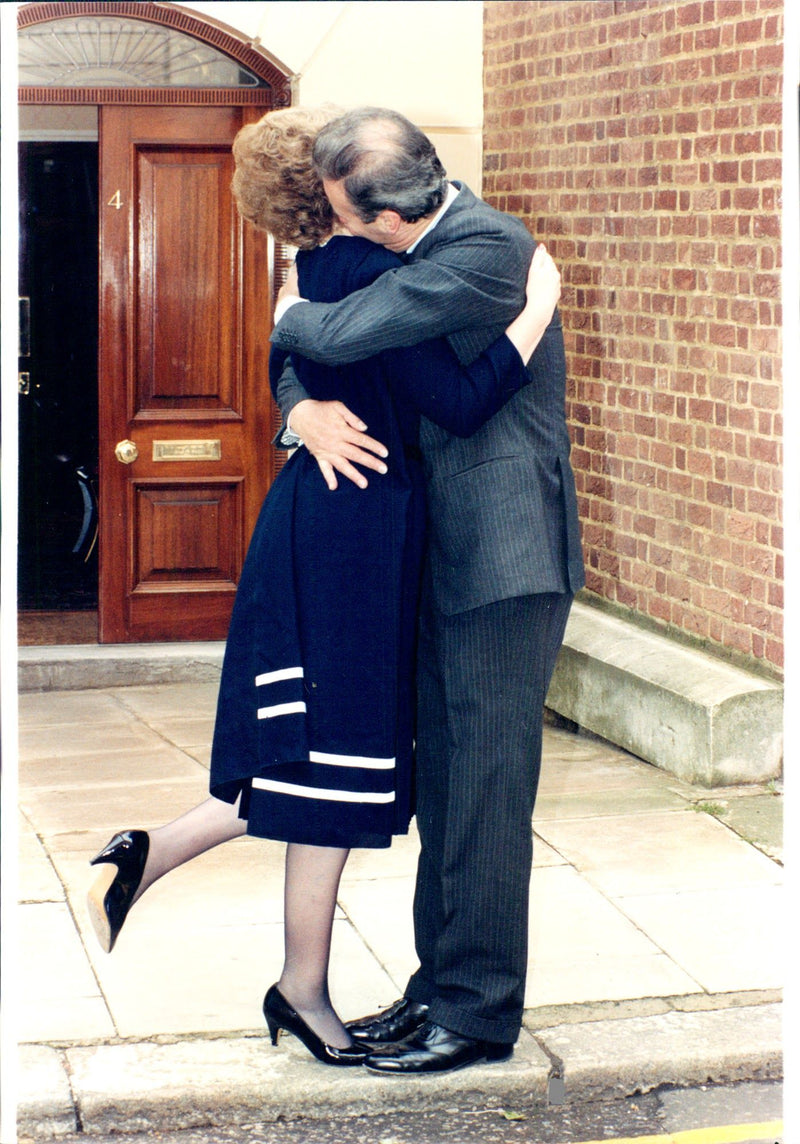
(461, 279)
(458, 398)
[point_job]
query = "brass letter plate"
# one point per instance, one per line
(187, 450)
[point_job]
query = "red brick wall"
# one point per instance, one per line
(641, 141)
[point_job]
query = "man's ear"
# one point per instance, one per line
(389, 222)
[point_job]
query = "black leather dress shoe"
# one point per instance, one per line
(390, 1025)
(435, 1050)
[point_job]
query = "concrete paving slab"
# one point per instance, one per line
(358, 974)
(758, 818)
(165, 701)
(43, 926)
(573, 763)
(67, 1020)
(185, 731)
(44, 1097)
(38, 881)
(198, 950)
(127, 1088)
(581, 745)
(59, 998)
(208, 980)
(611, 1059)
(569, 918)
(101, 722)
(727, 938)
(395, 861)
(112, 807)
(44, 708)
(658, 852)
(61, 740)
(200, 753)
(582, 948)
(157, 761)
(76, 844)
(176, 971)
(401, 858)
(381, 911)
(545, 855)
(214, 899)
(207, 941)
(605, 803)
(618, 978)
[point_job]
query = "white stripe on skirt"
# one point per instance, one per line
(318, 792)
(364, 761)
(281, 709)
(277, 676)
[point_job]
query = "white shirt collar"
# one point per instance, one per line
(450, 198)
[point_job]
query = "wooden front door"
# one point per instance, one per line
(185, 410)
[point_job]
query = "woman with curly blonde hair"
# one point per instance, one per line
(314, 731)
(275, 185)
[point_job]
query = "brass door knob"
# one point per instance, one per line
(126, 452)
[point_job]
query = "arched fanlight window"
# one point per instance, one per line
(114, 51)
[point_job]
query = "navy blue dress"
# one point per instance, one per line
(315, 717)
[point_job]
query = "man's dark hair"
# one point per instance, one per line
(385, 161)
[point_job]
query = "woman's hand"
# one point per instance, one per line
(542, 292)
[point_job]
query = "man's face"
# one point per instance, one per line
(346, 214)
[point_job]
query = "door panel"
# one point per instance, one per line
(185, 321)
(186, 250)
(187, 533)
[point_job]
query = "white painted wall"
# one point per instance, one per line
(422, 57)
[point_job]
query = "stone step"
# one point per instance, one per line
(684, 710)
(80, 666)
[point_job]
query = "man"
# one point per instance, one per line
(504, 563)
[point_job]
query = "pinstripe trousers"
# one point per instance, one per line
(483, 677)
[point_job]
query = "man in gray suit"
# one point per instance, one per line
(504, 563)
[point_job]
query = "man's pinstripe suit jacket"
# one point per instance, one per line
(502, 505)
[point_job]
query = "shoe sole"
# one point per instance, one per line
(96, 905)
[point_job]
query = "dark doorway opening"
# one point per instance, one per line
(58, 415)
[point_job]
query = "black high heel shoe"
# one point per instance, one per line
(111, 896)
(280, 1015)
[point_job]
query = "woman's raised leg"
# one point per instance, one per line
(134, 859)
(204, 826)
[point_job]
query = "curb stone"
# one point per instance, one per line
(609, 1060)
(147, 1086)
(192, 1084)
(44, 1094)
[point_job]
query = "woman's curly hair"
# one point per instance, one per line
(274, 183)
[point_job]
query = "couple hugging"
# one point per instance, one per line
(406, 588)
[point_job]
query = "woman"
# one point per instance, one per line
(313, 737)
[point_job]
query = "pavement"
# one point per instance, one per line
(655, 936)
